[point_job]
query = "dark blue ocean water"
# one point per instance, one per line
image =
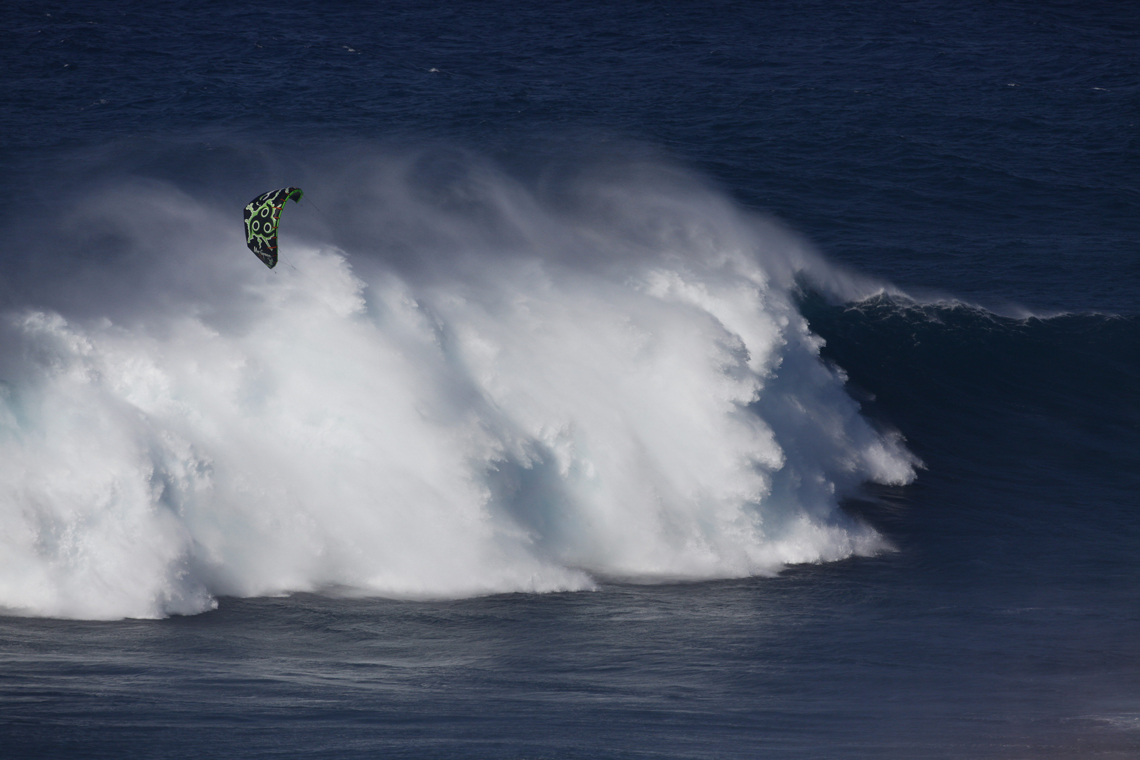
(528, 187)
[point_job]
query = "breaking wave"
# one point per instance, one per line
(458, 382)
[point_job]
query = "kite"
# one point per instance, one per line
(262, 216)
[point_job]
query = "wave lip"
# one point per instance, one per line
(520, 421)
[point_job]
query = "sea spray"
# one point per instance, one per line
(474, 386)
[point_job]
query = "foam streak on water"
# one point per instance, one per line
(567, 393)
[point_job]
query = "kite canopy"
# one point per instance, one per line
(262, 216)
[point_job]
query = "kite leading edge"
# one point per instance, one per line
(262, 216)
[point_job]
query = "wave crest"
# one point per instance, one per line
(510, 418)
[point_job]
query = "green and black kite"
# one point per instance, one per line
(262, 216)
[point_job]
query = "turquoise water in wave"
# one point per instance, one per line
(639, 381)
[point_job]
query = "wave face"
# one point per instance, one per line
(456, 383)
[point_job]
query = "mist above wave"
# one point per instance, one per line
(457, 383)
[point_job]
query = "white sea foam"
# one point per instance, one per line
(489, 390)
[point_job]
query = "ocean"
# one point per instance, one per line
(638, 380)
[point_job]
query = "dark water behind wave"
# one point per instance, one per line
(985, 152)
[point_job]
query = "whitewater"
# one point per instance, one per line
(457, 382)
